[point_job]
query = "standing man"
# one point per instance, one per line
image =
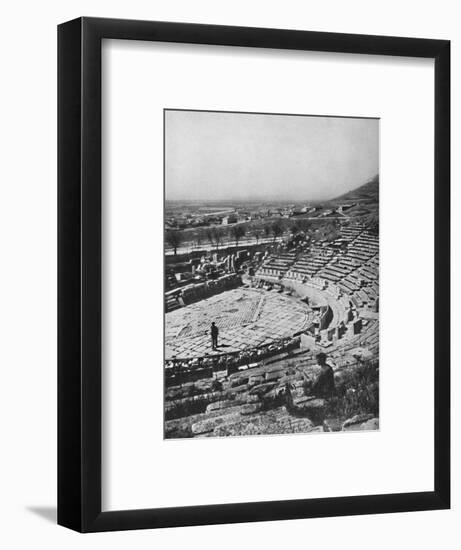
(214, 336)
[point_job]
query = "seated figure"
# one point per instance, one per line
(324, 384)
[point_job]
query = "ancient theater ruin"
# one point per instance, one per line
(282, 306)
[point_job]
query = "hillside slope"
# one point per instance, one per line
(367, 192)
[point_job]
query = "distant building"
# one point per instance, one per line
(231, 218)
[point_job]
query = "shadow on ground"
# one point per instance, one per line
(49, 513)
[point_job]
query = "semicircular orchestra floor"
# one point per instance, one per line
(245, 318)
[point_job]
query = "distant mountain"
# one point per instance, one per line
(367, 192)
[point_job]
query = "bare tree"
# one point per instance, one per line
(174, 239)
(276, 230)
(217, 237)
(267, 231)
(304, 225)
(295, 229)
(237, 232)
(210, 236)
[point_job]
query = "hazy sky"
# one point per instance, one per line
(216, 156)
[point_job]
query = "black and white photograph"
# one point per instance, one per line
(229, 297)
(271, 274)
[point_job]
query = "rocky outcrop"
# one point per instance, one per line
(276, 421)
(332, 425)
(208, 425)
(360, 422)
(269, 400)
(372, 424)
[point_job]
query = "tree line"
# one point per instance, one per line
(217, 236)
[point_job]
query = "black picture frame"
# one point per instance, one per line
(79, 274)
